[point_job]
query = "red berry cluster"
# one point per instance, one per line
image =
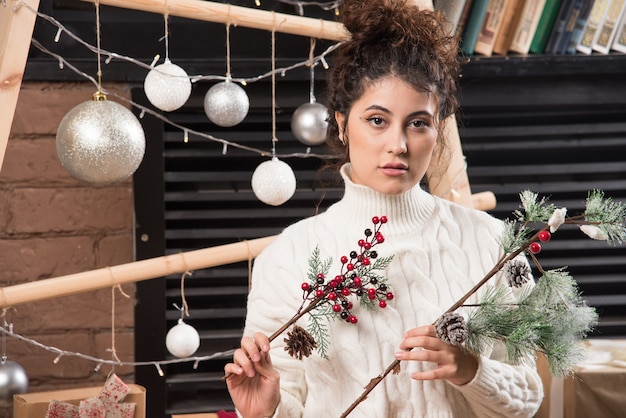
(535, 247)
(353, 278)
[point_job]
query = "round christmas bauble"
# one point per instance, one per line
(309, 123)
(273, 182)
(226, 104)
(182, 340)
(13, 380)
(100, 142)
(167, 86)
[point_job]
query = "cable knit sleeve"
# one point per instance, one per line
(504, 390)
(274, 296)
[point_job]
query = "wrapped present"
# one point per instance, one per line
(115, 400)
(105, 405)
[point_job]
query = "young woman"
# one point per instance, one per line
(390, 89)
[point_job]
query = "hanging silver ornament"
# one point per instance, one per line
(182, 340)
(226, 104)
(100, 142)
(167, 86)
(273, 182)
(309, 123)
(13, 381)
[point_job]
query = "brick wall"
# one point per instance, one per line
(53, 225)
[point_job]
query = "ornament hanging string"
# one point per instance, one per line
(274, 139)
(228, 76)
(166, 16)
(99, 95)
(312, 69)
(184, 310)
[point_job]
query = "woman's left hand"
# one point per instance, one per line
(454, 364)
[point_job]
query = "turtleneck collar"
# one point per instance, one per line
(406, 212)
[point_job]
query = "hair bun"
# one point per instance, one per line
(370, 20)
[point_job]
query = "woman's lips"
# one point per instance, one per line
(394, 170)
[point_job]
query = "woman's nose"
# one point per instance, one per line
(396, 143)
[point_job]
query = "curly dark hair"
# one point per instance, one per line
(391, 38)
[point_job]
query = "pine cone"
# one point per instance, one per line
(517, 272)
(299, 343)
(451, 328)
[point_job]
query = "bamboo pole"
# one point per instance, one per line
(237, 16)
(132, 272)
(16, 30)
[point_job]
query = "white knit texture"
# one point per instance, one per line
(440, 251)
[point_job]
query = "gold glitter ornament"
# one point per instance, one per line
(309, 123)
(100, 142)
(226, 104)
(273, 182)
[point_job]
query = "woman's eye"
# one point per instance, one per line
(420, 124)
(376, 120)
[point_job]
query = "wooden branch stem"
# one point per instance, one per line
(132, 272)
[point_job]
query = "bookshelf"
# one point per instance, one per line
(536, 27)
(546, 65)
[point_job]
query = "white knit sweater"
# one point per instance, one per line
(440, 251)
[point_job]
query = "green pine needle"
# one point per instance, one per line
(608, 215)
(534, 211)
(316, 265)
(550, 318)
(318, 329)
(514, 236)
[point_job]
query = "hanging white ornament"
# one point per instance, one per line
(182, 340)
(100, 142)
(309, 123)
(273, 182)
(13, 381)
(226, 104)
(167, 86)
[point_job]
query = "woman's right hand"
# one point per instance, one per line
(253, 384)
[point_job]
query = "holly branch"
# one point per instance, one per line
(552, 316)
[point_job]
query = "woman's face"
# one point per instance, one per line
(391, 133)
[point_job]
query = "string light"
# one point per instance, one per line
(63, 353)
(161, 117)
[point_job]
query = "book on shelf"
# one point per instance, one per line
(579, 27)
(606, 32)
(452, 11)
(460, 28)
(491, 26)
(527, 26)
(474, 23)
(510, 20)
(546, 25)
(562, 41)
(619, 44)
(598, 10)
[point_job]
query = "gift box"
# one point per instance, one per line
(91, 400)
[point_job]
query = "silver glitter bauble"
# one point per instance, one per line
(226, 104)
(309, 123)
(182, 340)
(100, 142)
(13, 380)
(167, 86)
(273, 182)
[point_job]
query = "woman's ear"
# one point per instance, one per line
(340, 118)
